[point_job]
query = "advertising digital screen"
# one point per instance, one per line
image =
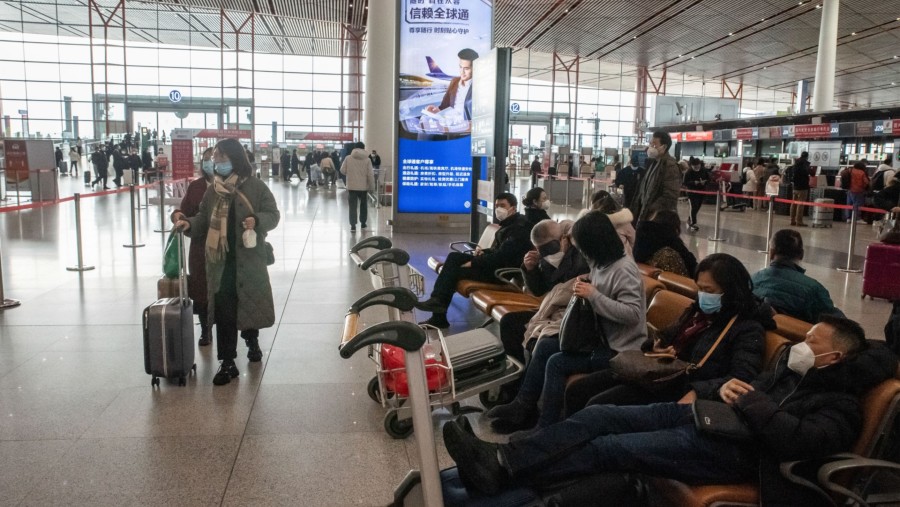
(439, 41)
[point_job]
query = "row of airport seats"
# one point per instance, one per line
(668, 296)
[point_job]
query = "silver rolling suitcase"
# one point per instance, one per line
(169, 332)
(477, 356)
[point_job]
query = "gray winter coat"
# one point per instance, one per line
(256, 308)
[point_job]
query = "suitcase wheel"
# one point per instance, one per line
(154, 382)
(182, 381)
(395, 427)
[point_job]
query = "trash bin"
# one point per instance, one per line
(823, 217)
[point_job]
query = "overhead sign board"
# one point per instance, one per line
(812, 131)
(294, 135)
(224, 133)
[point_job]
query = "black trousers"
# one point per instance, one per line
(512, 333)
(696, 202)
(358, 199)
(453, 272)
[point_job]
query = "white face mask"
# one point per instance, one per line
(801, 358)
(501, 214)
(652, 152)
(545, 205)
(555, 259)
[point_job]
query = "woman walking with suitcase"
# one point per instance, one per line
(236, 213)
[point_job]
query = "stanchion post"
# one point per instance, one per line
(769, 224)
(134, 243)
(80, 266)
(4, 302)
(162, 206)
(850, 248)
(715, 236)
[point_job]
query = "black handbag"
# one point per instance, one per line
(721, 420)
(580, 331)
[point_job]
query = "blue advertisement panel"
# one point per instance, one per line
(439, 41)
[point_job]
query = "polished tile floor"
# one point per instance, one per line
(82, 426)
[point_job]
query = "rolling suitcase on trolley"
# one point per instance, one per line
(881, 275)
(476, 356)
(169, 332)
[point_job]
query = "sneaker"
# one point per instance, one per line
(254, 353)
(363, 226)
(523, 418)
(438, 320)
(694, 227)
(227, 371)
(352, 228)
(478, 462)
(510, 410)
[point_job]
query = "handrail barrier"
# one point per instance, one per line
(771, 199)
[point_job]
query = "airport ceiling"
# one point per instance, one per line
(765, 43)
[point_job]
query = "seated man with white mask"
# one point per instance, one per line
(553, 262)
(807, 406)
(510, 245)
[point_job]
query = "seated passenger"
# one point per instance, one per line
(616, 293)
(536, 205)
(658, 243)
(510, 245)
(621, 219)
(784, 284)
(889, 198)
(807, 407)
(554, 262)
(725, 293)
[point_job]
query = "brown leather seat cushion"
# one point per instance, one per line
(875, 405)
(671, 492)
(680, 284)
(467, 287)
(791, 328)
(485, 300)
(651, 287)
(648, 270)
(775, 343)
(499, 311)
(666, 307)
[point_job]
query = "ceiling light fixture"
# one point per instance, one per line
(763, 19)
(693, 57)
(819, 6)
(893, 83)
(764, 68)
(730, 34)
(853, 33)
(635, 37)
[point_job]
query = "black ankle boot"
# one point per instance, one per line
(227, 371)
(254, 353)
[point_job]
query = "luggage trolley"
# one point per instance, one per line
(388, 267)
(469, 364)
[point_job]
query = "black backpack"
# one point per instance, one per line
(878, 181)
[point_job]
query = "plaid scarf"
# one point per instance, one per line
(217, 237)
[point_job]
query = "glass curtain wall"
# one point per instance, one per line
(46, 69)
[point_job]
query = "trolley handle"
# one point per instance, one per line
(406, 335)
(376, 242)
(400, 298)
(391, 255)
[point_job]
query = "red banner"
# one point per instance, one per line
(182, 159)
(895, 127)
(698, 136)
(16, 161)
(812, 131)
(743, 134)
(318, 136)
(224, 133)
(515, 142)
(676, 136)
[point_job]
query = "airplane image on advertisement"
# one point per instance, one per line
(436, 71)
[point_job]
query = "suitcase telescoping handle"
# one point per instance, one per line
(182, 268)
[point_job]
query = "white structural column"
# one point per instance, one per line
(381, 81)
(823, 93)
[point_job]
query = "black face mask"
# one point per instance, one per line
(550, 248)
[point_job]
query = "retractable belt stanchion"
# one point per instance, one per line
(5, 303)
(80, 266)
(715, 236)
(134, 243)
(162, 206)
(850, 248)
(770, 223)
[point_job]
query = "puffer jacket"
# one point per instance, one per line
(739, 355)
(540, 280)
(511, 243)
(819, 414)
(358, 170)
(622, 221)
(785, 286)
